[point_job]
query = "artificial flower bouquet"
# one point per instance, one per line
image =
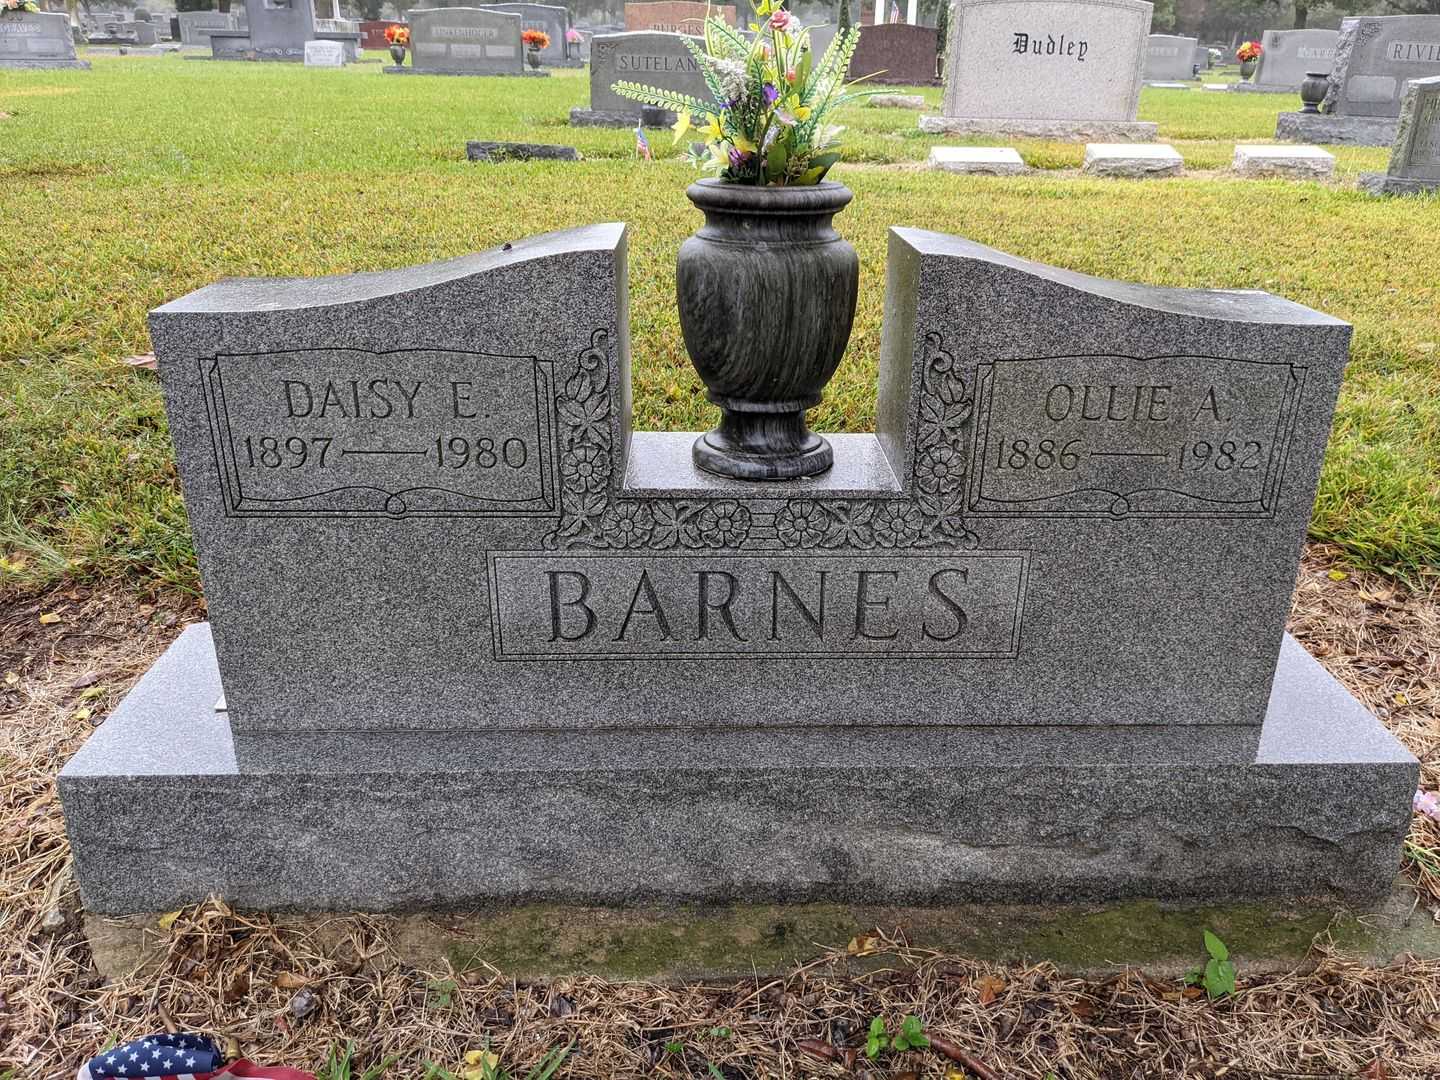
(536, 39)
(1251, 50)
(397, 35)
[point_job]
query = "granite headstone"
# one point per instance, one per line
(649, 57)
(1168, 57)
(278, 30)
(34, 39)
(1415, 158)
(1060, 69)
(478, 639)
(196, 26)
(895, 54)
(464, 41)
(676, 16)
(551, 19)
(1290, 55)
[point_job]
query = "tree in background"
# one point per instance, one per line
(194, 5)
(942, 28)
(1162, 19)
(369, 9)
(842, 22)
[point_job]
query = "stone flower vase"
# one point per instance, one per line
(532, 54)
(766, 290)
(397, 53)
(1313, 90)
(1247, 68)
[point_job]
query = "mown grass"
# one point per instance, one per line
(136, 182)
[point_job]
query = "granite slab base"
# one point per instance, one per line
(496, 152)
(391, 69)
(1255, 88)
(1053, 130)
(38, 65)
(160, 813)
(1385, 184)
(1328, 130)
(649, 117)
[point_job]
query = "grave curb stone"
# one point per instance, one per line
(983, 160)
(1054, 130)
(1132, 160)
(895, 101)
(1330, 130)
(1306, 162)
(496, 152)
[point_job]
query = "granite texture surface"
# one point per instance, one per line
(1132, 159)
(1375, 57)
(1385, 184)
(465, 41)
(32, 40)
(647, 57)
(551, 19)
(896, 54)
(1291, 54)
(991, 160)
(1415, 154)
(895, 101)
(159, 814)
(1169, 57)
(1305, 162)
(1081, 513)
(1331, 130)
(519, 151)
(1053, 130)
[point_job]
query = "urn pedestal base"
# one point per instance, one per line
(762, 445)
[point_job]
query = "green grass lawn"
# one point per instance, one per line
(129, 185)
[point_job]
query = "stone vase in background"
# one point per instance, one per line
(397, 53)
(532, 55)
(766, 290)
(1312, 90)
(1247, 69)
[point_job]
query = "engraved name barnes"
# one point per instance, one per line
(577, 607)
(413, 432)
(1049, 45)
(1108, 435)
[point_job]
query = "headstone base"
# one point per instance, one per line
(895, 101)
(1329, 130)
(1256, 88)
(519, 151)
(32, 65)
(1306, 162)
(985, 160)
(1384, 184)
(649, 117)
(1053, 130)
(1132, 160)
(160, 814)
(390, 69)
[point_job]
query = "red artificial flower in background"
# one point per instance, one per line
(1251, 50)
(397, 35)
(536, 39)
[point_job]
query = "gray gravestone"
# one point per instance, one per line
(1168, 58)
(479, 640)
(1374, 58)
(196, 26)
(554, 21)
(1290, 55)
(1415, 157)
(464, 41)
(33, 39)
(649, 57)
(1059, 69)
(278, 30)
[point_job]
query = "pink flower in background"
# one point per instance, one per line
(572, 36)
(784, 21)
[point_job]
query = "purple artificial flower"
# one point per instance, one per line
(738, 158)
(771, 94)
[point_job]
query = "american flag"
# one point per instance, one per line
(177, 1057)
(642, 144)
(894, 11)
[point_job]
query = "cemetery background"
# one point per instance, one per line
(288, 172)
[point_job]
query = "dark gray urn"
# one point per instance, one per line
(1312, 90)
(766, 290)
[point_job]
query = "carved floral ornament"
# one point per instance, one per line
(593, 517)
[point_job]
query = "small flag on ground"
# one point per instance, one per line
(178, 1057)
(642, 144)
(894, 11)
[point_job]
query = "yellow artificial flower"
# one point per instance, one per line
(800, 112)
(744, 145)
(681, 125)
(713, 131)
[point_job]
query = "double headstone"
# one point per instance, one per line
(1375, 57)
(648, 57)
(895, 53)
(1415, 157)
(1055, 69)
(1169, 58)
(278, 30)
(479, 640)
(554, 22)
(1288, 56)
(464, 41)
(33, 39)
(676, 16)
(196, 26)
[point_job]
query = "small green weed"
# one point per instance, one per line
(1218, 974)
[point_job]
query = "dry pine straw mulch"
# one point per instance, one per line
(288, 995)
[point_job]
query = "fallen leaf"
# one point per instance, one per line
(144, 360)
(863, 945)
(90, 693)
(289, 980)
(1083, 1009)
(49, 618)
(819, 1048)
(11, 678)
(1375, 1071)
(168, 919)
(82, 713)
(990, 987)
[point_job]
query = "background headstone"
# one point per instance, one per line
(649, 57)
(34, 39)
(895, 54)
(676, 16)
(1290, 54)
(372, 33)
(465, 41)
(1415, 157)
(553, 20)
(1168, 58)
(195, 26)
(1056, 68)
(1375, 57)
(324, 54)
